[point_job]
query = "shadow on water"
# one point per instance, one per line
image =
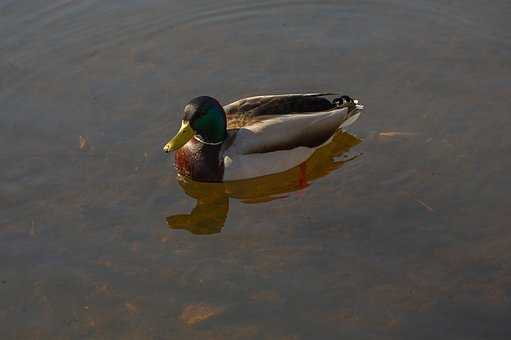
(212, 206)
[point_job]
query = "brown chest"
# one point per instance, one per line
(200, 162)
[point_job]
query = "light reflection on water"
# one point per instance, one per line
(212, 207)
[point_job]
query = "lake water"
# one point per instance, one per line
(408, 238)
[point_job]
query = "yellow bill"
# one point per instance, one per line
(184, 134)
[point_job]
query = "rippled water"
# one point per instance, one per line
(407, 240)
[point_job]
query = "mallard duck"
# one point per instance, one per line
(256, 136)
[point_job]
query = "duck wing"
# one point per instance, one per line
(249, 110)
(290, 131)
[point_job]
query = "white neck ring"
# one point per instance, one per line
(207, 143)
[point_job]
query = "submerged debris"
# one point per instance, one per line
(424, 205)
(84, 143)
(195, 313)
(131, 308)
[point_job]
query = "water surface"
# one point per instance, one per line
(408, 240)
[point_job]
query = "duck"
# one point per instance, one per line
(256, 136)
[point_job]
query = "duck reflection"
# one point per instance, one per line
(212, 207)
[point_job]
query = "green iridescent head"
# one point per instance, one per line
(204, 118)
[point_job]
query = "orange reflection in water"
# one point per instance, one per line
(210, 212)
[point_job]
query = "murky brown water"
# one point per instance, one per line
(409, 240)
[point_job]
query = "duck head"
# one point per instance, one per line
(203, 119)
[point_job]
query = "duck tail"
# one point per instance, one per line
(354, 109)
